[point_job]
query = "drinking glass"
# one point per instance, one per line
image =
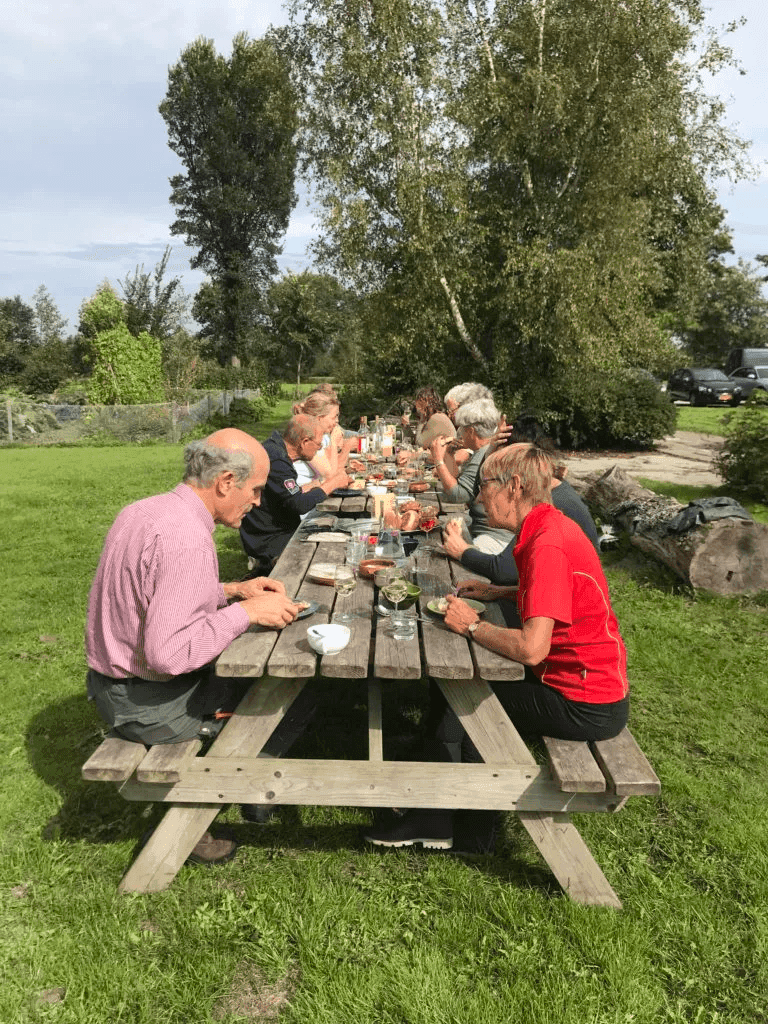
(403, 626)
(344, 582)
(428, 522)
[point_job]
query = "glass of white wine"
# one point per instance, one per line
(344, 583)
(403, 626)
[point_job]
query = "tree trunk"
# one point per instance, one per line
(728, 556)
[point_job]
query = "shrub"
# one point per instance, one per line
(127, 370)
(743, 461)
(602, 409)
(135, 424)
(243, 414)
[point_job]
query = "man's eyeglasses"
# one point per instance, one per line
(490, 480)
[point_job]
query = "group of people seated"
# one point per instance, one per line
(158, 616)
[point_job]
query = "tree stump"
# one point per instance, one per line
(728, 556)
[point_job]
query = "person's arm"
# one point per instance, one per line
(529, 645)
(500, 569)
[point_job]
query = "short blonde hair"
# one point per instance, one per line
(533, 465)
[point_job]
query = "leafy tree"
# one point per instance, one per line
(126, 369)
(49, 323)
(152, 306)
(232, 122)
(528, 181)
(101, 312)
(733, 313)
(18, 338)
(309, 314)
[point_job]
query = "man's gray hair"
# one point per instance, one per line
(482, 415)
(299, 428)
(468, 392)
(203, 462)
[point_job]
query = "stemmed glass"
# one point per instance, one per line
(428, 522)
(344, 583)
(396, 590)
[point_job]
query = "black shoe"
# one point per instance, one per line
(433, 829)
(259, 814)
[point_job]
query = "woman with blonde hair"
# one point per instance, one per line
(332, 457)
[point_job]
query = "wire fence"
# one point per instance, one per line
(23, 421)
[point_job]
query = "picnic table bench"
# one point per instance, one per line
(578, 777)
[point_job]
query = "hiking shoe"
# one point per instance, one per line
(212, 851)
(432, 829)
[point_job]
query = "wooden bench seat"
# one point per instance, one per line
(615, 766)
(116, 759)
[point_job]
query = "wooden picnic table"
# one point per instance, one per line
(280, 663)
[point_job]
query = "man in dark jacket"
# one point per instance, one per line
(267, 528)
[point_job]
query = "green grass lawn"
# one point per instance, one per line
(309, 923)
(705, 419)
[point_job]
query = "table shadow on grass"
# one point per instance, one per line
(60, 738)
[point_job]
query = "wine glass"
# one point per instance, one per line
(427, 522)
(396, 590)
(344, 583)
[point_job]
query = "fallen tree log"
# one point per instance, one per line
(729, 556)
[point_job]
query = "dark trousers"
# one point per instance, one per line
(535, 710)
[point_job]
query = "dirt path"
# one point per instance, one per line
(684, 457)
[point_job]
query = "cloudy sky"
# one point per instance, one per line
(84, 162)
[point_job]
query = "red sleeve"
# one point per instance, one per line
(548, 588)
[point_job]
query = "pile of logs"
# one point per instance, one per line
(728, 556)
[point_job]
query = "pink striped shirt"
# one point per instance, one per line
(156, 607)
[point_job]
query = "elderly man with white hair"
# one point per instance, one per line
(158, 616)
(476, 424)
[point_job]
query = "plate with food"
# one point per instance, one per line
(307, 608)
(322, 572)
(440, 605)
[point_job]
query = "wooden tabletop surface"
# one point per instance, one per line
(434, 650)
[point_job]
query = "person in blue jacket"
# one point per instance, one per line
(268, 527)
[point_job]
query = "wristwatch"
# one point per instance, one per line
(440, 463)
(472, 627)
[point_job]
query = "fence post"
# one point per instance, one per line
(8, 408)
(174, 418)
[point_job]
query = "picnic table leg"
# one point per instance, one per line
(375, 738)
(184, 825)
(556, 837)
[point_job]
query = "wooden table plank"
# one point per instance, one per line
(329, 505)
(491, 666)
(370, 783)
(353, 661)
(354, 506)
(292, 655)
(446, 654)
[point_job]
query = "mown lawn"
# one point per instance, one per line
(308, 924)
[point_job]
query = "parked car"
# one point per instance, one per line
(750, 378)
(704, 387)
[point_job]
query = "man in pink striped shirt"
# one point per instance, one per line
(158, 616)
